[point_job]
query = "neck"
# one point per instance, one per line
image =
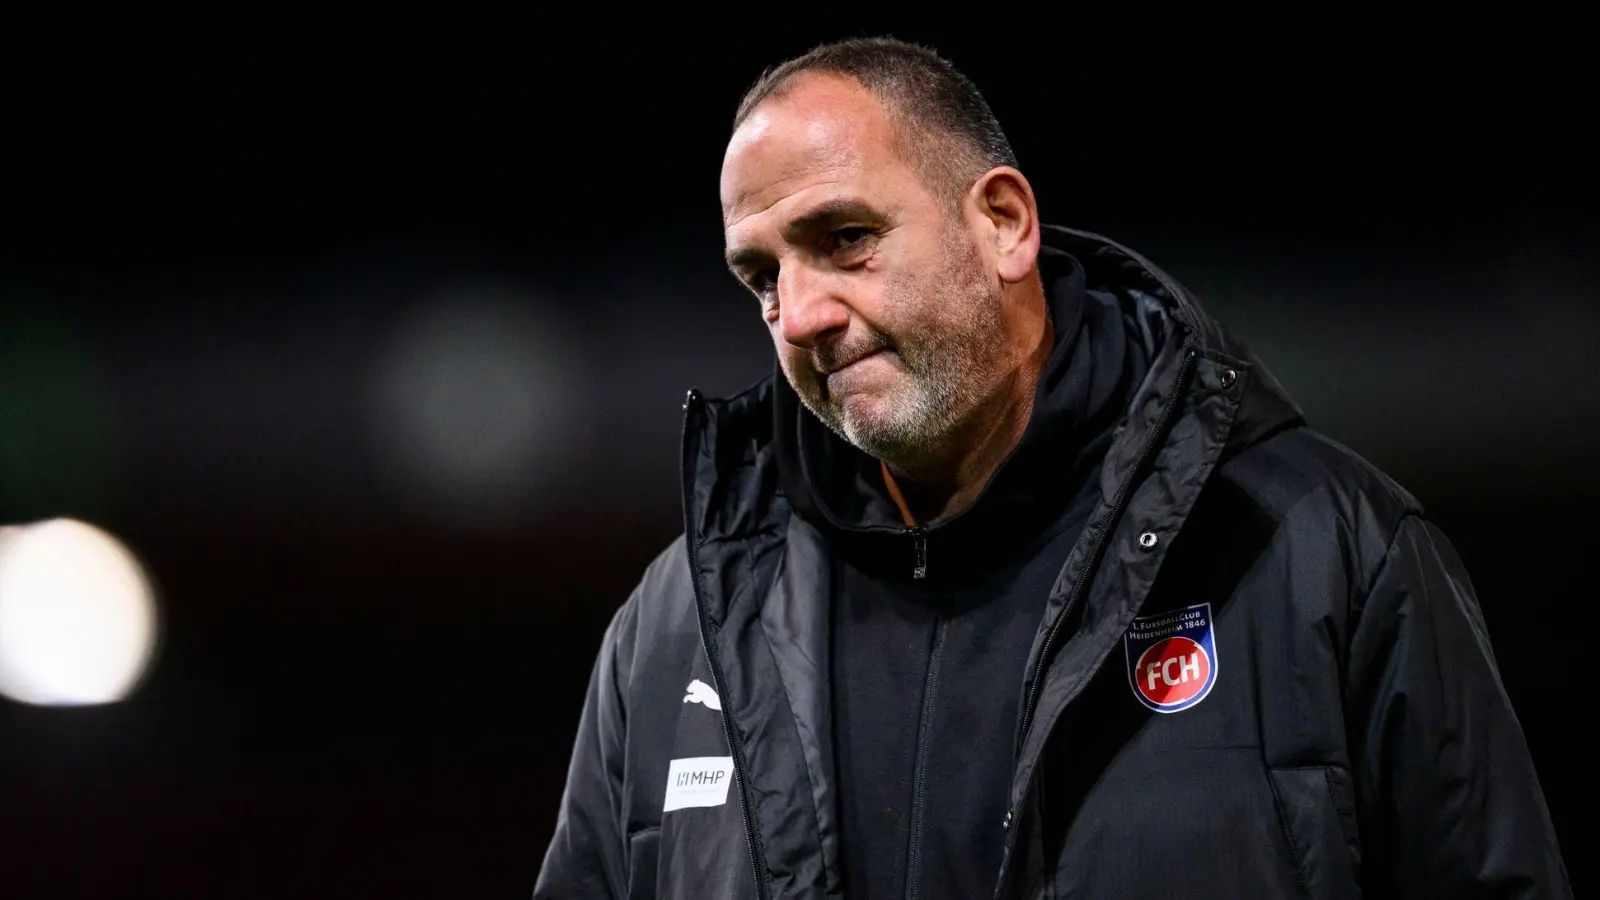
(944, 486)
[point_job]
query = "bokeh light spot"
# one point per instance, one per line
(77, 615)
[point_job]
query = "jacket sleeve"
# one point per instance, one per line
(1449, 804)
(587, 856)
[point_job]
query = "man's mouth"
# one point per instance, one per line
(840, 367)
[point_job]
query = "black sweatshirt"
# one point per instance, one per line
(928, 670)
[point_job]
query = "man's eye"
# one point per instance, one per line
(764, 285)
(846, 238)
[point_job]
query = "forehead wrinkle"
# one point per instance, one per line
(797, 196)
(790, 165)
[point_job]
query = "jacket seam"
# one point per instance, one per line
(1288, 835)
(812, 778)
(1362, 600)
(1388, 553)
(741, 762)
(611, 648)
(1309, 767)
(1345, 815)
(1352, 626)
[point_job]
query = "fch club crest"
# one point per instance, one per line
(1172, 658)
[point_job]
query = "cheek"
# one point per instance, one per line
(904, 307)
(907, 289)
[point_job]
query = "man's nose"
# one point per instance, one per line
(810, 310)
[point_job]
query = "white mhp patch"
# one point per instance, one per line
(698, 781)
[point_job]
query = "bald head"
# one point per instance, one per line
(821, 129)
(939, 120)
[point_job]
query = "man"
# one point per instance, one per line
(1025, 579)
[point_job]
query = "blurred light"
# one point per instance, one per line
(475, 398)
(77, 620)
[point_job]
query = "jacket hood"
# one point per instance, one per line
(1172, 318)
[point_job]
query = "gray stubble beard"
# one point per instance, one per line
(946, 368)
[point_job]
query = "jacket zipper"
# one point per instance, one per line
(689, 404)
(1119, 502)
(919, 549)
(930, 693)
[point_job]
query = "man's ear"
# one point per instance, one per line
(1004, 202)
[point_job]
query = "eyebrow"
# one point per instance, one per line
(822, 217)
(827, 215)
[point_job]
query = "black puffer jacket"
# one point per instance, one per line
(1261, 673)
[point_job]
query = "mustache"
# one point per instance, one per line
(831, 357)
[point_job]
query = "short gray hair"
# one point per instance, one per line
(946, 127)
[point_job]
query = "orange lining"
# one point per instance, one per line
(895, 495)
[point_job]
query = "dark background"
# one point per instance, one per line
(374, 352)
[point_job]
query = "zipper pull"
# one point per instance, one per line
(919, 545)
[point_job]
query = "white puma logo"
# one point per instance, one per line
(700, 692)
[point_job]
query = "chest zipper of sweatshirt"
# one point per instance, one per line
(919, 552)
(930, 695)
(690, 404)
